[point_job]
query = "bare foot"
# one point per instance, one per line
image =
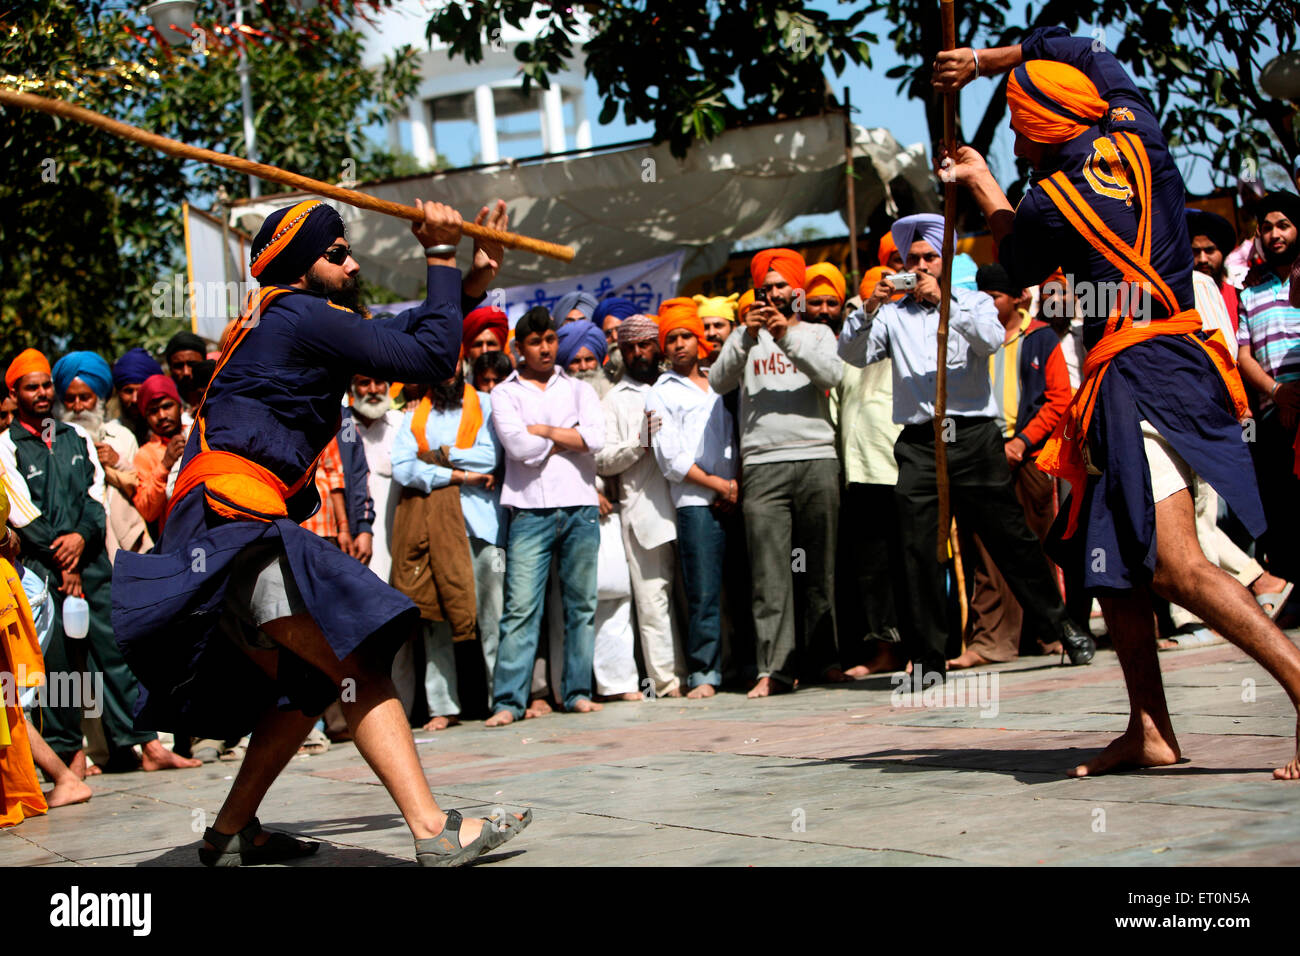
(584, 706)
(1292, 770)
(1138, 747)
(1053, 649)
(858, 671)
(442, 723)
(833, 675)
(539, 707)
(701, 691)
(158, 757)
(968, 658)
(887, 658)
(768, 686)
(675, 692)
(68, 791)
(500, 719)
(614, 698)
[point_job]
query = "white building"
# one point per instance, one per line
(485, 93)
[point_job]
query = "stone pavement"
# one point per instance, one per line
(822, 776)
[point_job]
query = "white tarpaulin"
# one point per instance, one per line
(216, 287)
(637, 203)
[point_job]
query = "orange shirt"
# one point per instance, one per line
(329, 477)
(151, 478)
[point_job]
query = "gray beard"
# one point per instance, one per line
(596, 379)
(371, 411)
(92, 421)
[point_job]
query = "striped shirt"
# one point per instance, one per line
(1270, 327)
(329, 478)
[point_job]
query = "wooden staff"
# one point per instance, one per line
(945, 295)
(274, 174)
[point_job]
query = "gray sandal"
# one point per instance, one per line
(238, 849)
(440, 850)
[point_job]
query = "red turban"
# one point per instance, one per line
(28, 361)
(1051, 102)
(485, 318)
(823, 278)
(156, 386)
(682, 313)
(785, 261)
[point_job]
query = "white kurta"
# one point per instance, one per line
(377, 441)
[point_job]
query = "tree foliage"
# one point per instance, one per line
(689, 69)
(88, 222)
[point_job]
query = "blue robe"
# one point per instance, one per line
(277, 402)
(1169, 381)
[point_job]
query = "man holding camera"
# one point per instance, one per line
(790, 485)
(980, 481)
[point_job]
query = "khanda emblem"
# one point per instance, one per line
(1122, 113)
(1105, 172)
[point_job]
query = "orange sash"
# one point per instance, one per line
(471, 420)
(237, 487)
(1065, 453)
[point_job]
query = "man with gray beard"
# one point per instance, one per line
(83, 382)
(581, 351)
(375, 422)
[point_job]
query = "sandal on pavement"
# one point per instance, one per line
(441, 851)
(238, 849)
(315, 744)
(1278, 600)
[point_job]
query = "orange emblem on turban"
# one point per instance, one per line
(682, 313)
(823, 278)
(785, 261)
(28, 361)
(1051, 102)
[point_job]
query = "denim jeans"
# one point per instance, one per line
(574, 536)
(702, 543)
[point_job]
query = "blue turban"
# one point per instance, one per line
(616, 306)
(291, 240)
(134, 367)
(577, 335)
(923, 225)
(88, 367)
(585, 302)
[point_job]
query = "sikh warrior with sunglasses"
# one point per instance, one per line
(240, 620)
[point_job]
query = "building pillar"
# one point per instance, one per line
(421, 134)
(582, 135)
(553, 115)
(486, 114)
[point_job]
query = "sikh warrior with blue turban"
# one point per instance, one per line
(242, 620)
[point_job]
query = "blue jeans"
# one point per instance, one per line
(701, 544)
(573, 534)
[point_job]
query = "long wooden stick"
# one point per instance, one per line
(945, 298)
(272, 174)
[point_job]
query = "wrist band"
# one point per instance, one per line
(976, 57)
(1276, 385)
(440, 252)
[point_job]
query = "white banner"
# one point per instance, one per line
(215, 290)
(645, 283)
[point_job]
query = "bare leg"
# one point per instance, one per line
(68, 787)
(158, 757)
(1184, 576)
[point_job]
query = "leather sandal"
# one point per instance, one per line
(238, 849)
(446, 849)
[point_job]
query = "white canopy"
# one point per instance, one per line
(637, 202)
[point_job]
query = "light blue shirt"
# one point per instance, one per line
(907, 332)
(695, 429)
(484, 516)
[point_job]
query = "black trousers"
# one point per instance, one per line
(984, 503)
(1279, 491)
(868, 573)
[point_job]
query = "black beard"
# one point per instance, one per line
(444, 395)
(643, 370)
(348, 295)
(1279, 260)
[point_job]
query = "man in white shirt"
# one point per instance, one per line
(645, 506)
(694, 448)
(376, 422)
(550, 427)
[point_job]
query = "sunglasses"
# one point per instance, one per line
(336, 255)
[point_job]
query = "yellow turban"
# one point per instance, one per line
(718, 306)
(823, 278)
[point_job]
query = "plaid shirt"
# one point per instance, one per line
(329, 477)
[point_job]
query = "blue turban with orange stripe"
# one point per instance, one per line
(1051, 102)
(292, 239)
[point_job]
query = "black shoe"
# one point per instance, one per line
(1077, 643)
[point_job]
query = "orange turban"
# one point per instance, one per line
(28, 361)
(823, 278)
(887, 248)
(745, 303)
(682, 313)
(871, 278)
(1051, 102)
(785, 261)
